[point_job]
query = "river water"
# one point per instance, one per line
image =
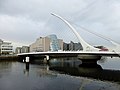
(60, 74)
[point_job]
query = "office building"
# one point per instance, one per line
(18, 50)
(72, 46)
(5, 48)
(42, 44)
(55, 44)
(48, 43)
(66, 46)
(23, 49)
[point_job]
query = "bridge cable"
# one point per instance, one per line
(99, 35)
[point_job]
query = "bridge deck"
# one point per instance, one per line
(101, 53)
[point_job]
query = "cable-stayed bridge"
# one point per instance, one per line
(89, 54)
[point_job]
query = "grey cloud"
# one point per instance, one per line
(25, 20)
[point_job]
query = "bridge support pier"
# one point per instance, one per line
(46, 59)
(27, 60)
(89, 59)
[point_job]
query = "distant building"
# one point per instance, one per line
(48, 43)
(18, 50)
(72, 46)
(1, 42)
(5, 48)
(40, 45)
(65, 46)
(55, 44)
(60, 41)
(23, 49)
(78, 46)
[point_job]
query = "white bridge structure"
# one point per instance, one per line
(89, 54)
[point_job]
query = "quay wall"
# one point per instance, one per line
(10, 58)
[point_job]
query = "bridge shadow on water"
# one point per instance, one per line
(76, 68)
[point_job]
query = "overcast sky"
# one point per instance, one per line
(22, 21)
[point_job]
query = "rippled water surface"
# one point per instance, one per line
(60, 74)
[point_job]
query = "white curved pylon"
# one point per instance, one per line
(85, 45)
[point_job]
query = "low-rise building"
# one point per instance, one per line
(72, 46)
(18, 50)
(23, 49)
(6, 48)
(66, 46)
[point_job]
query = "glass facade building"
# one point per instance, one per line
(54, 43)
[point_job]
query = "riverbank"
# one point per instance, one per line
(9, 57)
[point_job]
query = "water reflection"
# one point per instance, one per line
(95, 71)
(74, 66)
(26, 70)
(19, 76)
(5, 67)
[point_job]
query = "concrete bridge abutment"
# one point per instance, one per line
(89, 59)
